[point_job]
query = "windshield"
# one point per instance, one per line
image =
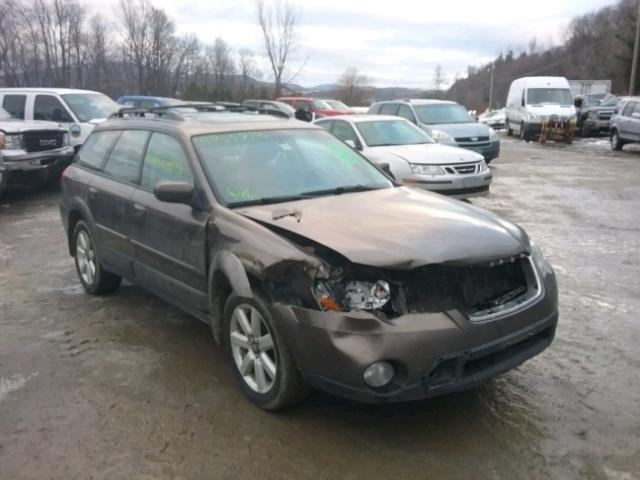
(549, 96)
(611, 101)
(90, 106)
(4, 115)
(277, 165)
(322, 105)
(442, 113)
(337, 105)
(391, 132)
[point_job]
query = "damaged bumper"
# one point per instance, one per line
(432, 354)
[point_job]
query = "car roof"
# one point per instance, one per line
(58, 91)
(418, 101)
(361, 118)
(144, 97)
(206, 122)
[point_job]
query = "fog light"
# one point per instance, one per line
(379, 374)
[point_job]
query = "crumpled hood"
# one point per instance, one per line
(398, 228)
(457, 130)
(428, 153)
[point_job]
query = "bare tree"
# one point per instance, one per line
(279, 25)
(438, 78)
(352, 86)
(222, 68)
(247, 70)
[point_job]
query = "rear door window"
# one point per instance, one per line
(48, 107)
(125, 158)
(14, 104)
(389, 109)
(628, 109)
(164, 161)
(95, 149)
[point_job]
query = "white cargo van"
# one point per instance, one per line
(76, 110)
(532, 100)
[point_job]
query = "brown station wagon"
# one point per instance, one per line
(313, 268)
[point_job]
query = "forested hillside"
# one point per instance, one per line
(598, 45)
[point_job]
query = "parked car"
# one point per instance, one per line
(360, 110)
(338, 106)
(446, 122)
(318, 108)
(532, 100)
(271, 105)
(625, 123)
(496, 119)
(593, 113)
(311, 266)
(32, 152)
(413, 157)
(77, 110)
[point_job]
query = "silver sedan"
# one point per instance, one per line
(413, 157)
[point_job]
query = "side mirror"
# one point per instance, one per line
(304, 115)
(174, 192)
(386, 169)
(353, 144)
(577, 102)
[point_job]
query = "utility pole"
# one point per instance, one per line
(634, 61)
(491, 88)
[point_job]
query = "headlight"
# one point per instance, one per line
(592, 115)
(492, 134)
(12, 142)
(65, 139)
(442, 137)
(357, 295)
(483, 166)
(427, 169)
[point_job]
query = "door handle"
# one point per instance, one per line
(139, 209)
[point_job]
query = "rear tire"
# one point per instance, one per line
(616, 142)
(259, 355)
(94, 278)
(509, 129)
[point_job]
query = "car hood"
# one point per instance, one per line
(548, 110)
(428, 153)
(15, 125)
(398, 228)
(457, 130)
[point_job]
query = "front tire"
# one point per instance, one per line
(616, 142)
(259, 356)
(523, 132)
(509, 129)
(94, 278)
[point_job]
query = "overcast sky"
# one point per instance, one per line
(395, 42)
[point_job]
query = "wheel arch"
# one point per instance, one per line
(227, 275)
(77, 211)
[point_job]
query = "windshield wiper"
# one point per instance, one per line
(266, 201)
(339, 190)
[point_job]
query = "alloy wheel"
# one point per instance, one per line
(86, 257)
(614, 140)
(253, 349)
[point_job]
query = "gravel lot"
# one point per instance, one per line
(128, 387)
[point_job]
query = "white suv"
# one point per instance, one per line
(76, 110)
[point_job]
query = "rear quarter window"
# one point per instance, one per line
(374, 110)
(95, 149)
(389, 109)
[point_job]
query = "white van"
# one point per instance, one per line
(532, 100)
(76, 110)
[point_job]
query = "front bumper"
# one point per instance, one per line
(596, 125)
(20, 165)
(433, 353)
(458, 186)
(489, 150)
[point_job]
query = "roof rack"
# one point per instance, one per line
(169, 111)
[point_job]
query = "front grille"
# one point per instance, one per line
(42, 140)
(474, 289)
(465, 169)
(604, 115)
(472, 140)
